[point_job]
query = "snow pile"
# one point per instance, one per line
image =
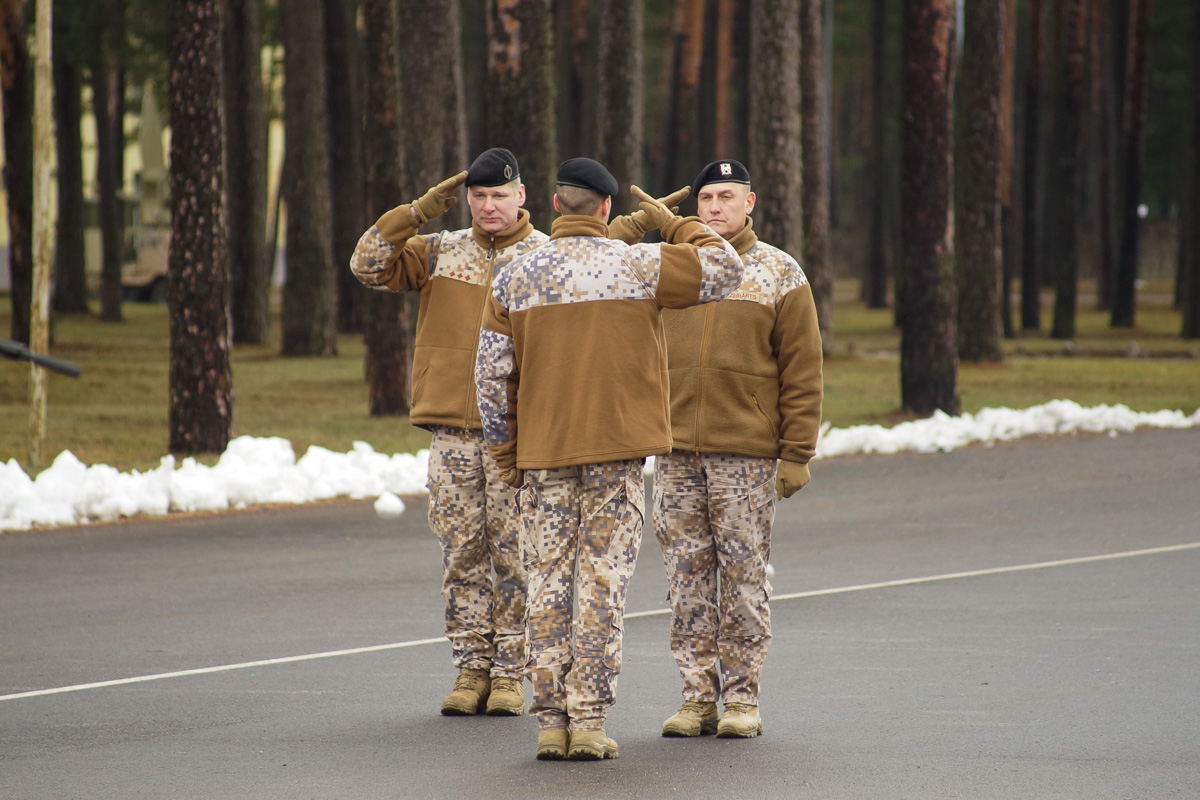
(265, 470)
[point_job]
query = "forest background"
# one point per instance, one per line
(977, 173)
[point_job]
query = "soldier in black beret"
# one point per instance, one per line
(571, 358)
(755, 358)
(471, 510)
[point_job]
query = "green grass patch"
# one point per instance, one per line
(116, 411)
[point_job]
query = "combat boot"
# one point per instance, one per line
(693, 719)
(471, 690)
(507, 698)
(740, 720)
(553, 744)
(591, 746)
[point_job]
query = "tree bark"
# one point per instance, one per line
(386, 362)
(1190, 294)
(979, 167)
(246, 173)
(619, 97)
(1067, 274)
(775, 160)
(344, 74)
(110, 139)
(1031, 227)
(815, 158)
(201, 381)
(685, 50)
(1009, 218)
(1133, 156)
(70, 277)
(520, 97)
(928, 351)
(16, 71)
(875, 278)
(310, 289)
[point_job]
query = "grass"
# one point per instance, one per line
(116, 412)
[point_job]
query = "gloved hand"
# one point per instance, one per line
(657, 213)
(439, 199)
(630, 228)
(790, 478)
(513, 477)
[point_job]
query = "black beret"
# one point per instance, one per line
(494, 167)
(587, 174)
(726, 171)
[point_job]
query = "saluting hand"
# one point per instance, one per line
(657, 213)
(439, 199)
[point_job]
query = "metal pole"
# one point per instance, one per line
(43, 233)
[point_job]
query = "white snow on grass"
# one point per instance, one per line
(265, 470)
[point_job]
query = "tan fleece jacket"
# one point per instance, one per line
(574, 333)
(453, 271)
(746, 372)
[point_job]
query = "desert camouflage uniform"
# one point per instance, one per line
(577, 326)
(471, 510)
(712, 516)
(745, 391)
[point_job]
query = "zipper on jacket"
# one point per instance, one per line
(766, 419)
(700, 372)
(491, 254)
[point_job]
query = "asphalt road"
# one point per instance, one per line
(1016, 621)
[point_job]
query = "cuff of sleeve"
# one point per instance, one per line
(505, 455)
(681, 229)
(399, 224)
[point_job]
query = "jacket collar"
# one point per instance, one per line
(578, 225)
(744, 239)
(520, 229)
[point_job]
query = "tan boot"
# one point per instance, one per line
(507, 698)
(740, 720)
(471, 690)
(692, 719)
(552, 744)
(591, 746)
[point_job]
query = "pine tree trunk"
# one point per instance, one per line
(680, 142)
(344, 80)
(109, 157)
(1133, 157)
(1031, 227)
(775, 160)
(1190, 226)
(520, 97)
(1009, 219)
(201, 382)
(386, 361)
(70, 278)
(876, 274)
(1067, 274)
(928, 347)
(619, 97)
(310, 288)
(246, 174)
(978, 168)
(815, 157)
(16, 69)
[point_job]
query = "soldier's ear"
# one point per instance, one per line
(749, 202)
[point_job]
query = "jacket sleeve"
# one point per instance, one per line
(496, 380)
(796, 342)
(392, 255)
(697, 265)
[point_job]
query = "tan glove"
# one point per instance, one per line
(513, 477)
(630, 228)
(790, 478)
(439, 199)
(657, 213)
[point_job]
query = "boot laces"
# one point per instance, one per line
(696, 706)
(465, 682)
(504, 685)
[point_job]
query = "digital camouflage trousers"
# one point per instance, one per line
(713, 515)
(474, 515)
(582, 540)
